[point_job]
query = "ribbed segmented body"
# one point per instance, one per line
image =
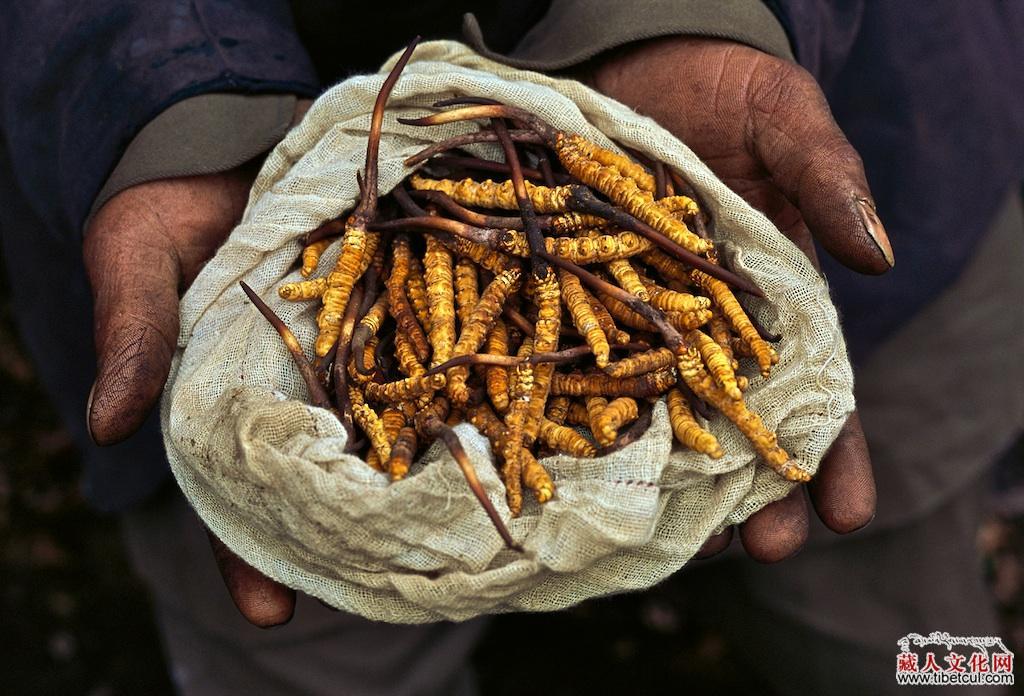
(303, 290)
(583, 316)
(612, 417)
(733, 312)
(564, 439)
(490, 194)
(686, 429)
(441, 300)
(357, 248)
(624, 192)
(404, 389)
(476, 328)
(640, 363)
(641, 386)
(311, 256)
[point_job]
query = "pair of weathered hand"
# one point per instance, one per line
(761, 124)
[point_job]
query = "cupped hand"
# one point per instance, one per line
(764, 127)
(142, 249)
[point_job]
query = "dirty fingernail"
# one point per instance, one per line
(88, 413)
(875, 228)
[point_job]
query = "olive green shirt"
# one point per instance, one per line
(215, 132)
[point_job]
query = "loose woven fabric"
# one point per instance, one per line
(268, 473)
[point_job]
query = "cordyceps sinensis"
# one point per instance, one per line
(549, 309)
(357, 243)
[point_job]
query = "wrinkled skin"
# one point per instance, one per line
(143, 248)
(760, 123)
(764, 127)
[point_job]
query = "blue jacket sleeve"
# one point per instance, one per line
(821, 32)
(79, 79)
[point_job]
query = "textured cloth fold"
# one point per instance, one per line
(268, 474)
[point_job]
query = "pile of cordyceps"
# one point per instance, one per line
(548, 309)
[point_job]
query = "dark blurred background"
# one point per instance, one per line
(75, 621)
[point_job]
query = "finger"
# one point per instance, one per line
(776, 531)
(134, 278)
(715, 545)
(843, 491)
(263, 602)
(811, 161)
(134, 273)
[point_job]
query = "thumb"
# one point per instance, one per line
(134, 272)
(807, 156)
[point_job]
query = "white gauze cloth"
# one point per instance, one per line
(268, 474)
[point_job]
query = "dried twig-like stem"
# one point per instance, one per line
(474, 359)
(521, 322)
(444, 201)
(317, 394)
(341, 364)
(481, 136)
(529, 215)
(672, 337)
(488, 237)
(584, 201)
(435, 428)
(367, 208)
(660, 180)
(331, 228)
(483, 165)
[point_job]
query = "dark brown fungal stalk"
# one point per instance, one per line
(434, 427)
(530, 226)
(385, 346)
(547, 173)
(359, 338)
(356, 241)
(483, 165)
(481, 136)
(672, 337)
(684, 188)
(317, 394)
(322, 366)
(584, 201)
(547, 133)
(361, 334)
(366, 211)
(762, 331)
(520, 322)
(474, 359)
(410, 207)
(487, 237)
(464, 99)
(471, 217)
(563, 356)
(660, 180)
(567, 355)
(331, 228)
(341, 364)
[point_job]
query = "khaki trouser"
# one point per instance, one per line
(211, 649)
